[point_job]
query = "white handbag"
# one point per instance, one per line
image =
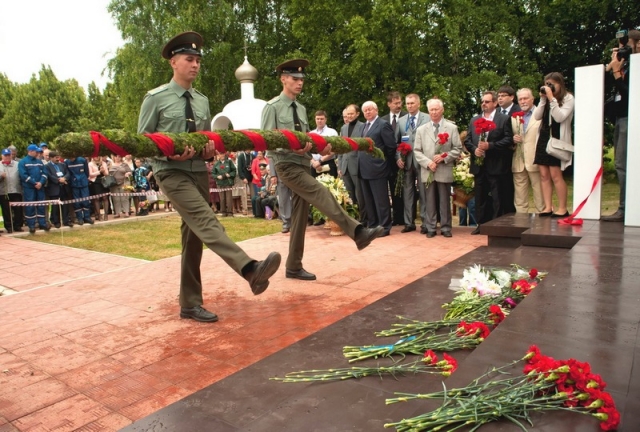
(560, 149)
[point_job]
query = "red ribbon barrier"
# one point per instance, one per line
(571, 220)
(98, 139)
(164, 143)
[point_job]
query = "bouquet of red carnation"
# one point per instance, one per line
(443, 138)
(404, 149)
(545, 384)
(483, 127)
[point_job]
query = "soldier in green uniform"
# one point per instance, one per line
(292, 169)
(178, 107)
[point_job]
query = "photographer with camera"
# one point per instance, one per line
(555, 111)
(619, 67)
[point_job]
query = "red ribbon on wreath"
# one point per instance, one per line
(294, 143)
(352, 143)
(217, 140)
(258, 141)
(98, 139)
(318, 140)
(163, 142)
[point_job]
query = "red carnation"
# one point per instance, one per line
(518, 115)
(448, 365)
(495, 314)
(612, 418)
(533, 273)
(430, 357)
(404, 149)
(443, 138)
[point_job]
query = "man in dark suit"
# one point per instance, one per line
(374, 173)
(407, 127)
(348, 162)
(394, 102)
(506, 97)
(491, 162)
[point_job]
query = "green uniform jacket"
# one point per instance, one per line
(278, 114)
(223, 168)
(163, 110)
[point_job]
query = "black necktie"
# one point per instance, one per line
(296, 120)
(188, 112)
(504, 111)
(394, 123)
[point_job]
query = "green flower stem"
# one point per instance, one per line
(81, 143)
(415, 327)
(412, 345)
(415, 367)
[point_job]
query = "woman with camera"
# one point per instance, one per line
(556, 112)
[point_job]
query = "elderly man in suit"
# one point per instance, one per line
(407, 127)
(436, 149)
(348, 163)
(525, 173)
(374, 173)
(491, 162)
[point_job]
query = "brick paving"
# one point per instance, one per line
(93, 342)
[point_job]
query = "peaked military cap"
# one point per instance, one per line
(294, 67)
(184, 43)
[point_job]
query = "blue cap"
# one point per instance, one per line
(6, 152)
(32, 147)
(44, 144)
(40, 150)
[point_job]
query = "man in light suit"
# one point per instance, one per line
(525, 173)
(374, 173)
(437, 148)
(407, 127)
(495, 169)
(348, 162)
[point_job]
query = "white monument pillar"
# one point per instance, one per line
(589, 124)
(632, 204)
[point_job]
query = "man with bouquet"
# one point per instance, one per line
(490, 142)
(436, 149)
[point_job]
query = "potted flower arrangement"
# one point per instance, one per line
(463, 182)
(340, 193)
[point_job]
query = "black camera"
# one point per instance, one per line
(550, 85)
(623, 52)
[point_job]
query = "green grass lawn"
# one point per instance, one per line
(149, 239)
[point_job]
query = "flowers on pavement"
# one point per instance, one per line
(545, 384)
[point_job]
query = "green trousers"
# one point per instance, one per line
(307, 190)
(189, 195)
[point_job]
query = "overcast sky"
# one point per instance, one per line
(75, 38)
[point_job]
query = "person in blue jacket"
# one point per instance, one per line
(79, 170)
(34, 179)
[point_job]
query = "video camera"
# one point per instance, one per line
(625, 51)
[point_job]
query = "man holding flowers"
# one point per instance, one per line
(409, 167)
(525, 173)
(436, 149)
(491, 146)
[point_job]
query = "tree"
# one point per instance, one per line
(7, 88)
(41, 110)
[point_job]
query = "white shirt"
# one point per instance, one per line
(325, 131)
